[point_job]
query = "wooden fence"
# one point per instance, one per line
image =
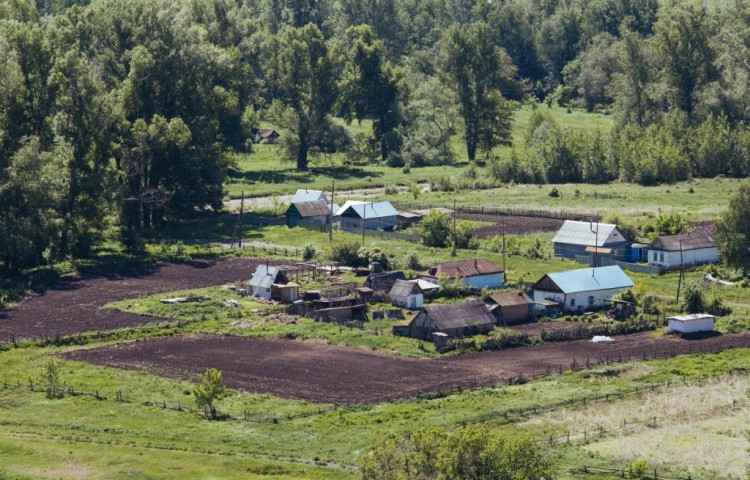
(503, 211)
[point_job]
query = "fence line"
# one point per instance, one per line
(628, 472)
(503, 211)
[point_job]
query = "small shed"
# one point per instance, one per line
(455, 320)
(266, 135)
(406, 294)
(478, 273)
(383, 282)
(265, 278)
(287, 293)
(365, 294)
(510, 308)
(694, 323)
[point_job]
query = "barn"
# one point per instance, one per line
(591, 239)
(354, 215)
(694, 323)
(455, 320)
(673, 251)
(308, 214)
(582, 289)
(406, 294)
(510, 308)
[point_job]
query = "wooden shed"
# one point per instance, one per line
(510, 308)
(316, 214)
(455, 320)
(406, 294)
(383, 282)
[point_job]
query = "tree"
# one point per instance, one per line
(51, 379)
(209, 390)
(471, 452)
(306, 76)
(480, 73)
(369, 87)
(435, 229)
(733, 231)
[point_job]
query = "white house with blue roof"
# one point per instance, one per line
(582, 289)
(373, 215)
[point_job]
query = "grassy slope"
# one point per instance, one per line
(108, 439)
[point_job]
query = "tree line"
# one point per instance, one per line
(118, 116)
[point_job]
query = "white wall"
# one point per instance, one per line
(412, 301)
(689, 257)
(579, 299)
(691, 326)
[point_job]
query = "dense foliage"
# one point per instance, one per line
(121, 115)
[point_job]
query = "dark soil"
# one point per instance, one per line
(318, 372)
(73, 304)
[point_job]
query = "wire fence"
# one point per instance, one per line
(632, 472)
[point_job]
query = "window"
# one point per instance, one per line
(572, 302)
(661, 257)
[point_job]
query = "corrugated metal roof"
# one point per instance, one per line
(264, 276)
(462, 269)
(317, 208)
(383, 281)
(585, 233)
(590, 279)
(692, 317)
(690, 241)
(460, 315)
(404, 288)
(511, 298)
(304, 195)
(369, 209)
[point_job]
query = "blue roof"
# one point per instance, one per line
(304, 195)
(591, 279)
(373, 210)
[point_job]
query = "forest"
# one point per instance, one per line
(123, 115)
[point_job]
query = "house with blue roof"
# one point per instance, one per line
(596, 243)
(583, 289)
(355, 215)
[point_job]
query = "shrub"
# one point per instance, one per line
(412, 261)
(308, 253)
(554, 193)
(435, 229)
(346, 252)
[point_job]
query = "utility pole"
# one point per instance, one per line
(364, 221)
(330, 218)
(682, 274)
(238, 227)
(505, 272)
(454, 224)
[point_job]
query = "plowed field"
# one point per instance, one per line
(73, 304)
(511, 225)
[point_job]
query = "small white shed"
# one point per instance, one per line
(407, 294)
(694, 323)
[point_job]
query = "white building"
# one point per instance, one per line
(582, 289)
(264, 279)
(673, 251)
(697, 322)
(407, 294)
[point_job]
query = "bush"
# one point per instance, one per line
(346, 252)
(435, 229)
(308, 253)
(554, 193)
(412, 261)
(465, 237)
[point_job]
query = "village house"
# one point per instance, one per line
(582, 289)
(455, 320)
(266, 135)
(674, 251)
(598, 243)
(694, 323)
(510, 308)
(478, 273)
(305, 195)
(356, 215)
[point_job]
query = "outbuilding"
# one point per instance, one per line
(478, 273)
(265, 278)
(383, 282)
(674, 251)
(406, 294)
(510, 308)
(582, 289)
(308, 214)
(455, 320)
(694, 323)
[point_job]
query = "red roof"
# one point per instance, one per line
(511, 298)
(462, 269)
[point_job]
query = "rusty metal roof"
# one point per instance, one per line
(383, 281)
(317, 208)
(690, 241)
(511, 298)
(459, 315)
(462, 269)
